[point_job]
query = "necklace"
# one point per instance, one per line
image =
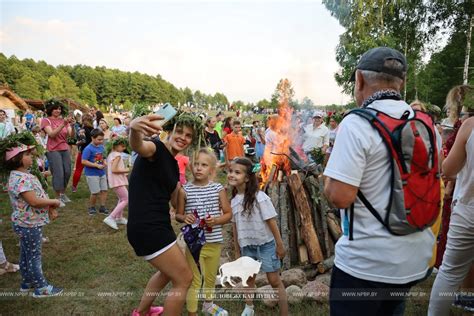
(382, 95)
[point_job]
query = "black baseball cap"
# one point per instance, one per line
(375, 58)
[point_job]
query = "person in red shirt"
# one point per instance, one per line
(235, 143)
(227, 127)
(183, 162)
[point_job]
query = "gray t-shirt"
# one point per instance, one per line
(252, 229)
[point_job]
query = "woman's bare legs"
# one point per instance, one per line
(171, 266)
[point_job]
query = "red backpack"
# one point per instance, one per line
(414, 202)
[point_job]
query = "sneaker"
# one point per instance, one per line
(153, 311)
(61, 203)
(26, 287)
(121, 221)
(74, 189)
(92, 210)
(109, 221)
(214, 310)
(47, 291)
(248, 311)
(64, 198)
(103, 210)
(465, 302)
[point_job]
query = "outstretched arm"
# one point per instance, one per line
(144, 126)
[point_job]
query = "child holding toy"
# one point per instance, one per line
(210, 202)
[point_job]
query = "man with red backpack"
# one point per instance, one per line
(384, 176)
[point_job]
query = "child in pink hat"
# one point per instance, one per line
(32, 209)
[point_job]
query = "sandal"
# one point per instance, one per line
(9, 267)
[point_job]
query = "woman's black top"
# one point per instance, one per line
(88, 139)
(150, 187)
(214, 141)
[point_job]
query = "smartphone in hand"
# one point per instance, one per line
(168, 112)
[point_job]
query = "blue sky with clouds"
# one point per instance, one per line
(240, 48)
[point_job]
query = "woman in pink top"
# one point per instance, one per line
(58, 129)
(118, 181)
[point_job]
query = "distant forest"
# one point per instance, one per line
(95, 86)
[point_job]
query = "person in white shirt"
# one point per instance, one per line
(375, 261)
(6, 128)
(316, 135)
(271, 139)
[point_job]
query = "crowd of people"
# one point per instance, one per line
(148, 166)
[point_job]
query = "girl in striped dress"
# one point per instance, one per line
(210, 202)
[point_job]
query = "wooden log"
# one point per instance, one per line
(312, 187)
(307, 229)
(271, 175)
(334, 227)
(299, 240)
(292, 229)
(303, 254)
(324, 210)
(297, 219)
(273, 193)
(326, 265)
(285, 232)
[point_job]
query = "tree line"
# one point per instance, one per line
(96, 86)
(105, 87)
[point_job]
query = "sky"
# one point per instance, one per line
(240, 48)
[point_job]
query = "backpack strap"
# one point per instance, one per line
(369, 206)
(351, 222)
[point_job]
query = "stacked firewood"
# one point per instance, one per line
(309, 227)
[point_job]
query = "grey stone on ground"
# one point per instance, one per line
(316, 291)
(294, 294)
(294, 277)
(324, 278)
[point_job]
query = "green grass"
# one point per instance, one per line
(93, 262)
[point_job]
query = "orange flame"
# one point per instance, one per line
(277, 150)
